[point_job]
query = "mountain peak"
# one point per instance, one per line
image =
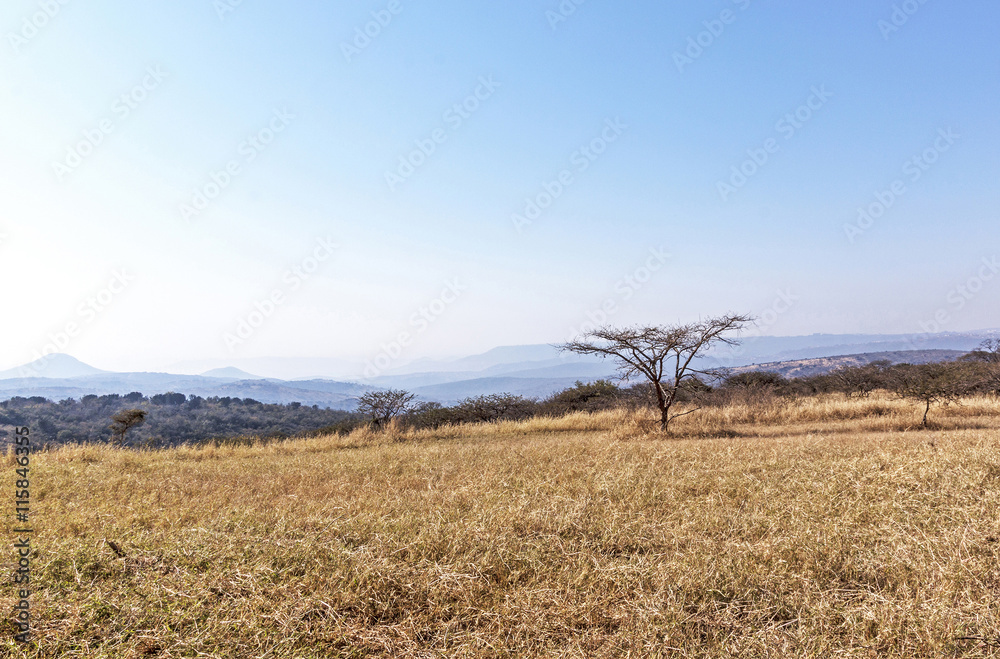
(56, 365)
(230, 373)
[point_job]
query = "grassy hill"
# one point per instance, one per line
(824, 527)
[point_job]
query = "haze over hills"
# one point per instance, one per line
(497, 360)
(283, 368)
(531, 370)
(52, 366)
(802, 368)
(762, 349)
(511, 359)
(230, 373)
(325, 393)
(60, 376)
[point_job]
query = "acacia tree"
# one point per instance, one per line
(990, 349)
(124, 421)
(988, 352)
(987, 357)
(861, 380)
(384, 404)
(662, 354)
(493, 407)
(942, 383)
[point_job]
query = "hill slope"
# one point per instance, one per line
(561, 537)
(800, 368)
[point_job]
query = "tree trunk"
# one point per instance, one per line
(664, 402)
(926, 410)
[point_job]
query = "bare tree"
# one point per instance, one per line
(384, 404)
(987, 352)
(124, 421)
(987, 357)
(664, 355)
(861, 381)
(992, 348)
(494, 407)
(756, 389)
(941, 383)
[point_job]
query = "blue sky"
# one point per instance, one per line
(305, 249)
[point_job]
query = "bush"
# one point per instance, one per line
(749, 388)
(589, 397)
(431, 415)
(495, 407)
(941, 383)
(861, 381)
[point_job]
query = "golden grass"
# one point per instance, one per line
(825, 528)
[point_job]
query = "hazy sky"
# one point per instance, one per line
(222, 180)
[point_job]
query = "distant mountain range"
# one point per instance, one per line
(530, 370)
(803, 368)
(757, 350)
(231, 373)
(61, 376)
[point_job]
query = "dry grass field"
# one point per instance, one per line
(822, 528)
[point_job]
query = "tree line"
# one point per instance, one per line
(658, 368)
(162, 420)
(661, 365)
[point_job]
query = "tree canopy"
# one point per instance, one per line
(662, 354)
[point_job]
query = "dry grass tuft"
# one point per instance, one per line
(823, 528)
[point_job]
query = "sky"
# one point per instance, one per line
(219, 180)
